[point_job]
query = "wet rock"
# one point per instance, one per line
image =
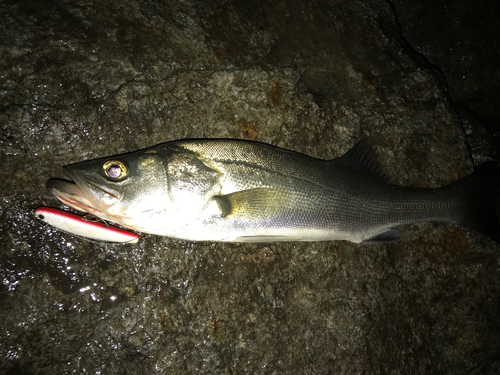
(462, 39)
(90, 79)
(481, 142)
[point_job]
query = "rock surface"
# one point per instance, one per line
(462, 38)
(81, 80)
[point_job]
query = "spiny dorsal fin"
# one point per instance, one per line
(360, 158)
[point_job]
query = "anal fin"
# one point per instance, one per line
(263, 239)
(389, 236)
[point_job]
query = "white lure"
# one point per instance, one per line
(77, 225)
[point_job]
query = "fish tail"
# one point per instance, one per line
(480, 190)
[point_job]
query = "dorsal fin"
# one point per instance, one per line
(360, 158)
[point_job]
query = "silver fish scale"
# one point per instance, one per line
(260, 155)
(317, 201)
(229, 190)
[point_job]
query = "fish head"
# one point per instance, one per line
(129, 189)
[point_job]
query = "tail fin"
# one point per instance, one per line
(480, 189)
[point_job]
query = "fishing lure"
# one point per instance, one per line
(84, 227)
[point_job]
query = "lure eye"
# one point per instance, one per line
(115, 169)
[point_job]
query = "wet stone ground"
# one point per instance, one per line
(82, 80)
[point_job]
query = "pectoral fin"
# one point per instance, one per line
(259, 203)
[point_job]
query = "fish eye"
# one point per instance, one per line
(115, 169)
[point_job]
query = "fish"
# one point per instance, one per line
(79, 226)
(227, 190)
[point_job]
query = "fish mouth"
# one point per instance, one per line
(83, 195)
(70, 194)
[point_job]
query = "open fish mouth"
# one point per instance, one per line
(82, 196)
(71, 195)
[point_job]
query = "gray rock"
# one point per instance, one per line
(463, 39)
(82, 80)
